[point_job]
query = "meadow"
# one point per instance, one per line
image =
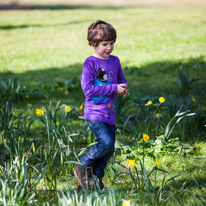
(161, 124)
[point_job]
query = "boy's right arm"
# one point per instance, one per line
(87, 83)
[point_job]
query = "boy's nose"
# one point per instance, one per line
(109, 47)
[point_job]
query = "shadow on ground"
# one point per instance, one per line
(150, 80)
(189, 186)
(17, 6)
(23, 26)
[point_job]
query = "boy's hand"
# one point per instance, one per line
(126, 90)
(122, 89)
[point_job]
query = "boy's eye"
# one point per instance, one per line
(106, 44)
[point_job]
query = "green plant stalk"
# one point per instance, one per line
(133, 179)
(143, 153)
(138, 179)
(143, 168)
(180, 115)
(154, 187)
(148, 126)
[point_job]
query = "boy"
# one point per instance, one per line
(101, 80)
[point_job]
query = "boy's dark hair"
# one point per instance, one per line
(100, 31)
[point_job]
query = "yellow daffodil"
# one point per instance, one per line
(109, 105)
(67, 108)
(193, 99)
(161, 99)
(132, 163)
(158, 163)
(69, 201)
(126, 202)
(148, 103)
(81, 107)
(33, 147)
(145, 137)
(40, 112)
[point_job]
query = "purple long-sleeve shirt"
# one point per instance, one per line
(110, 71)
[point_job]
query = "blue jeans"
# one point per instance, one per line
(100, 153)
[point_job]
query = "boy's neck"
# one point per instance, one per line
(99, 57)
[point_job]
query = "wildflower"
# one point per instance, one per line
(67, 108)
(145, 137)
(161, 99)
(5, 140)
(126, 202)
(148, 103)
(109, 105)
(33, 147)
(81, 107)
(132, 163)
(69, 201)
(40, 112)
(158, 163)
(193, 99)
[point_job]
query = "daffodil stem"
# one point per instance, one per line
(47, 125)
(143, 153)
(154, 187)
(148, 126)
(143, 170)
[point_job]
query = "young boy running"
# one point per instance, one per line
(101, 80)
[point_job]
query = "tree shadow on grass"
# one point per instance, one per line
(58, 84)
(150, 80)
(24, 26)
(18, 6)
(162, 77)
(188, 187)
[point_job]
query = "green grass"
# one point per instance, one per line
(46, 47)
(51, 45)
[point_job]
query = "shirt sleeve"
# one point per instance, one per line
(87, 83)
(120, 76)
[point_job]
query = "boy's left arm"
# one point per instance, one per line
(121, 79)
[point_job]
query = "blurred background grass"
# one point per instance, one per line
(44, 42)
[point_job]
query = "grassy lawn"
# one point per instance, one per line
(45, 46)
(51, 45)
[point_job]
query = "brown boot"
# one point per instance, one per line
(91, 184)
(89, 178)
(84, 175)
(79, 173)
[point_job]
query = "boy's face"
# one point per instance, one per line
(104, 49)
